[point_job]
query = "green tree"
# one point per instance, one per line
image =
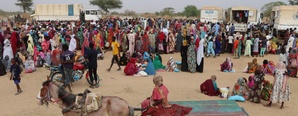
(191, 11)
(293, 2)
(130, 13)
(180, 14)
(106, 5)
(267, 8)
(167, 11)
(157, 13)
(25, 5)
(115, 13)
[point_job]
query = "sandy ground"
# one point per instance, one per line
(182, 86)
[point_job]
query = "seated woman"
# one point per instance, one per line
(209, 87)
(227, 66)
(240, 88)
(268, 67)
(273, 48)
(159, 97)
(150, 70)
(157, 64)
(131, 68)
(29, 65)
(257, 88)
(171, 65)
(252, 66)
(157, 104)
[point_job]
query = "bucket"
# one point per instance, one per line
(224, 92)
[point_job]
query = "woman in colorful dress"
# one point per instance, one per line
(227, 65)
(159, 97)
(281, 89)
(191, 56)
(252, 66)
(241, 88)
(257, 88)
(145, 42)
(292, 66)
(172, 43)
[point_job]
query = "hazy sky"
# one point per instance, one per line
(141, 6)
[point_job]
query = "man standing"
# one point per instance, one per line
(67, 59)
(116, 53)
(92, 65)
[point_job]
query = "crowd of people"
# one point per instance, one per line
(142, 41)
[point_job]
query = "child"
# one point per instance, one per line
(15, 75)
(210, 48)
(116, 53)
(250, 82)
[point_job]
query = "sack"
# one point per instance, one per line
(293, 63)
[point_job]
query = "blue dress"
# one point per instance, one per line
(150, 70)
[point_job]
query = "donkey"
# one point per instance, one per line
(110, 105)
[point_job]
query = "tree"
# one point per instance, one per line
(293, 2)
(180, 14)
(167, 11)
(267, 8)
(25, 5)
(130, 13)
(191, 11)
(106, 5)
(157, 13)
(115, 13)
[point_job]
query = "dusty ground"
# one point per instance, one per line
(182, 86)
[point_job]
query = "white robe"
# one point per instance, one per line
(7, 49)
(72, 44)
(200, 51)
(131, 39)
(290, 43)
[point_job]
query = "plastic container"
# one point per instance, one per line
(224, 92)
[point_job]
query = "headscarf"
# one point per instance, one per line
(241, 81)
(213, 78)
(228, 60)
(157, 80)
(157, 63)
(255, 61)
(281, 66)
(200, 52)
(72, 44)
(146, 56)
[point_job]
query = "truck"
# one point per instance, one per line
(64, 12)
(212, 14)
(241, 16)
(283, 18)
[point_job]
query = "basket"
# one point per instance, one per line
(224, 92)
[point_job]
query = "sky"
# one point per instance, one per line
(142, 6)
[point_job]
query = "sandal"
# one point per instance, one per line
(119, 69)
